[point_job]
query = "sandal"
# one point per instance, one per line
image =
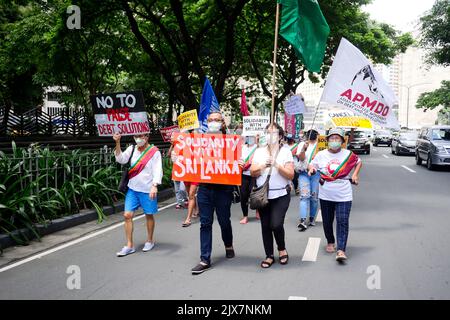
(284, 259)
(330, 248)
(186, 224)
(266, 264)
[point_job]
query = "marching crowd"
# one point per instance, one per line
(319, 177)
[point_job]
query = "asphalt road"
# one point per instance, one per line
(398, 248)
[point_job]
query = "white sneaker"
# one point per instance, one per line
(125, 251)
(148, 246)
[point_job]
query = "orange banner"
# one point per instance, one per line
(207, 158)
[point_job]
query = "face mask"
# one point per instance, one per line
(262, 141)
(139, 141)
(272, 138)
(214, 126)
(238, 131)
(251, 141)
(334, 145)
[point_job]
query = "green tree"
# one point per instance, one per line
(437, 98)
(436, 40)
(435, 27)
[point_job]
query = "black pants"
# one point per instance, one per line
(246, 187)
(272, 223)
(295, 180)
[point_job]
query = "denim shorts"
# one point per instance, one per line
(135, 199)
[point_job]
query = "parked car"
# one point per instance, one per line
(404, 143)
(359, 142)
(433, 146)
(382, 137)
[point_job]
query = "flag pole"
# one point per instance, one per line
(275, 48)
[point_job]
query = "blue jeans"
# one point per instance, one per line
(342, 211)
(210, 199)
(179, 194)
(309, 191)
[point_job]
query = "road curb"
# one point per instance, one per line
(63, 223)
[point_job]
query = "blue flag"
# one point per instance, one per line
(208, 104)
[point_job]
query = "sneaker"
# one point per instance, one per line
(312, 223)
(229, 253)
(200, 268)
(340, 256)
(302, 225)
(125, 251)
(148, 246)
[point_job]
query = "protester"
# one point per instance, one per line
(293, 147)
(248, 151)
(271, 154)
(335, 192)
(214, 198)
(309, 185)
(145, 174)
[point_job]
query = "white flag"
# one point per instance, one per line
(353, 83)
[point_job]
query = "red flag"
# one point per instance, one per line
(244, 109)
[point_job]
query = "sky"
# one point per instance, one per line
(402, 14)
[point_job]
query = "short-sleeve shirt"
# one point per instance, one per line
(339, 190)
(277, 183)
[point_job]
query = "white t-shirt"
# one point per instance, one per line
(339, 190)
(152, 172)
(245, 152)
(303, 165)
(277, 181)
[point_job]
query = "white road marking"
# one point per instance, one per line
(297, 298)
(312, 249)
(410, 170)
(71, 243)
(374, 149)
(319, 216)
(385, 156)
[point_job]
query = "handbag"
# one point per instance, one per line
(259, 196)
(236, 194)
(123, 185)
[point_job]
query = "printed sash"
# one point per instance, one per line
(142, 161)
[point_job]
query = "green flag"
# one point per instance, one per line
(305, 28)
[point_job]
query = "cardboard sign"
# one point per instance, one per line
(188, 120)
(254, 125)
(167, 132)
(352, 122)
(207, 158)
(121, 112)
(322, 143)
(294, 105)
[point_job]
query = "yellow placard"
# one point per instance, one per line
(188, 120)
(356, 122)
(322, 143)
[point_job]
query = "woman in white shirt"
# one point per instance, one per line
(335, 192)
(145, 175)
(269, 154)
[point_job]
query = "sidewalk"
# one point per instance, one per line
(16, 253)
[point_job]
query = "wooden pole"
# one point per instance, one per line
(275, 48)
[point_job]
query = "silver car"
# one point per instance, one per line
(433, 146)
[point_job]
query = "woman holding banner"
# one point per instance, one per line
(335, 191)
(271, 154)
(248, 151)
(309, 185)
(145, 174)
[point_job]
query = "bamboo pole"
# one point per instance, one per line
(275, 48)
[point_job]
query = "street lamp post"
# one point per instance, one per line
(407, 100)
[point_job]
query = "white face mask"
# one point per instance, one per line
(214, 126)
(139, 141)
(272, 138)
